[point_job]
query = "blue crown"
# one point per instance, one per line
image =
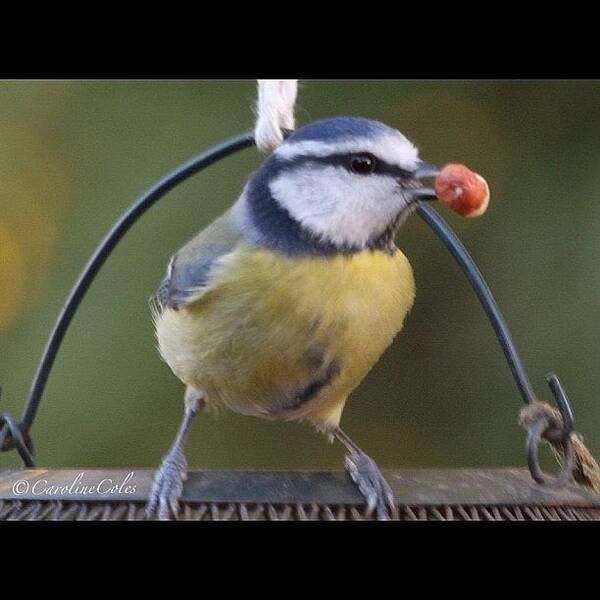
(338, 128)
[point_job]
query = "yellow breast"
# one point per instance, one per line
(245, 342)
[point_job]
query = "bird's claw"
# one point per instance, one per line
(372, 485)
(168, 486)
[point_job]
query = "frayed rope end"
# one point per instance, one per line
(586, 470)
(275, 112)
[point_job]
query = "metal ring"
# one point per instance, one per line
(534, 437)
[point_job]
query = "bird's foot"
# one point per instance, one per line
(168, 486)
(372, 485)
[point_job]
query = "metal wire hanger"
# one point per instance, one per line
(541, 421)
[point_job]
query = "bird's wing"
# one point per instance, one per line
(188, 270)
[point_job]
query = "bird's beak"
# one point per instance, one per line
(423, 171)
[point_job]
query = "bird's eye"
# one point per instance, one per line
(363, 164)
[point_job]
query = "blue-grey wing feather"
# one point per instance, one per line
(189, 269)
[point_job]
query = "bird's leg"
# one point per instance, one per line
(366, 475)
(168, 481)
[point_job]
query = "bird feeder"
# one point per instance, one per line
(460, 494)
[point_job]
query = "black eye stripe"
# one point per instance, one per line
(344, 160)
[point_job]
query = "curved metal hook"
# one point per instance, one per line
(561, 437)
(117, 231)
(563, 403)
(492, 310)
(15, 433)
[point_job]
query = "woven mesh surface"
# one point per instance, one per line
(16, 510)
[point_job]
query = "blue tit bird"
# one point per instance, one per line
(282, 305)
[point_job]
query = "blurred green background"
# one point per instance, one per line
(75, 154)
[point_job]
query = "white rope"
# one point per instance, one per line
(274, 111)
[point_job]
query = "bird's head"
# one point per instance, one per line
(339, 184)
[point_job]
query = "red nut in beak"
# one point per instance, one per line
(462, 190)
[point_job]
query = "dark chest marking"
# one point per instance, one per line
(320, 373)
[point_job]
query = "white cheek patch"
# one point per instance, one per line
(392, 147)
(338, 206)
